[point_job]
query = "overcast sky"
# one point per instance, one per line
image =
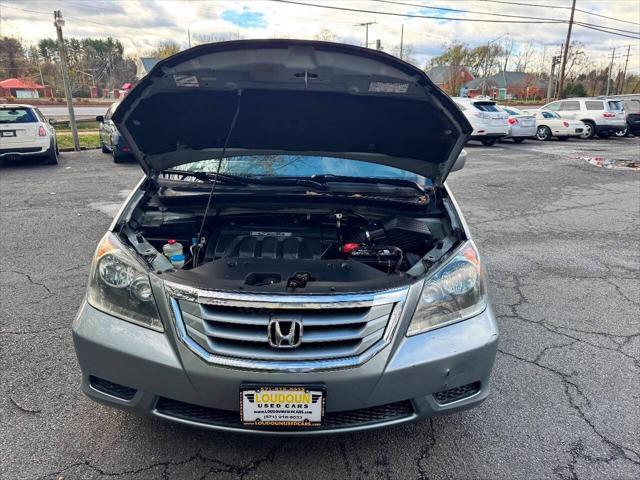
(141, 24)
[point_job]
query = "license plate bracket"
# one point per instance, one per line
(8, 133)
(282, 405)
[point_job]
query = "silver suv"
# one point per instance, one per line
(602, 116)
(293, 261)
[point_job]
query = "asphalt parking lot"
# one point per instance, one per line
(561, 238)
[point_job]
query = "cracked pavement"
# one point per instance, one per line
(561, 240)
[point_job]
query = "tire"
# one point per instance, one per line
(487, 142)
(543, 133)
(117, 158)
(563, 139)
(51, 157)
(103, 147)
(518, 140)
(589, 129)
(622, 133)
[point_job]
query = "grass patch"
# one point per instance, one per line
(87, 140)
(65, 128)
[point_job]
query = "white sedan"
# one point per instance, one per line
(24, 132)
(550, 124)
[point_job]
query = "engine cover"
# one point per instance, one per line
(263, 242)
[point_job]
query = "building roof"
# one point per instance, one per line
(144, 65)
(444, 73)
(507, 80)
(22, 83)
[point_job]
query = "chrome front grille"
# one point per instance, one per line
(338, 330)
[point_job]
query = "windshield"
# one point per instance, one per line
(486, 106)
(512, 111)
(17, 115)
(302, 166)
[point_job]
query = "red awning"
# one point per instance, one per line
(126, 86)
(21, 83)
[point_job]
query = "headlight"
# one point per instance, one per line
(454, 292)
(119, 285)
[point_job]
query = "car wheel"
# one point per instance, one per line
(543, 133)
(489, 141)
(51, 157)
(518, 140)
(589, 130)
(563, 139)
(103, 147)
(117, 158)
(622, 133)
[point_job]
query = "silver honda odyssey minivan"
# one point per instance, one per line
(292, 261)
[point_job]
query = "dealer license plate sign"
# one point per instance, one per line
(8, 133)
(282, 406)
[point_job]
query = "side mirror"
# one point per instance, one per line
(52, 121)
(100, 118)
(460, 161)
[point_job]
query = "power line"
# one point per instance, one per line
(446, 9)
(411, 15)
(588, 12)
(558, 20)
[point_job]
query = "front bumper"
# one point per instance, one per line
(159, 370)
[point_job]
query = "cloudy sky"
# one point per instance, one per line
(141, 24)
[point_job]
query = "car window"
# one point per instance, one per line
(107, 116)
(632, 106)
(39, 115)
(553, 106)
(17, 115)
(550, 115)
(512, 111)
(615, 105)
(570, 106)
(300, 166)
(486, 106)
(594, 104)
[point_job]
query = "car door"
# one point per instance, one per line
(103, 129)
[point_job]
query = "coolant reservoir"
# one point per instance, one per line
(173, 251)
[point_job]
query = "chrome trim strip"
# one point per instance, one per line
(250, 300)
(291, 301)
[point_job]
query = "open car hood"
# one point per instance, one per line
(291, 97)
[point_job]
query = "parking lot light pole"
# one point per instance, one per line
(58, 21)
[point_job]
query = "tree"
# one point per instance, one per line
(165, 49)
(13, 62)
(325, 35)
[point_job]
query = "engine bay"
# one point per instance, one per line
(279, 252)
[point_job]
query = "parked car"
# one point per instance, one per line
(488, 121)
(111, 141)
(521, 125)
(632, 112)
(601, 116)
(284, 267)
(550, 124)
(24, 132)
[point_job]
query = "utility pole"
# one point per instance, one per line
(555, 60)
(366, 31)
(613, 53)
(402, 40)
(624, 72)
(566, 50)
(189, 36)
(58, 21)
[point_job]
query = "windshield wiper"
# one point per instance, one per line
(241, 180)
(324, 178)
